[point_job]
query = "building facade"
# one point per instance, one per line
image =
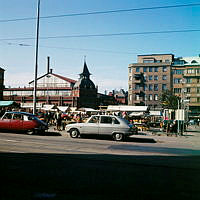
(148, 78)
(54, 89)
(186, 83)
(1, 83)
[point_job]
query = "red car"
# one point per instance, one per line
(23, 122)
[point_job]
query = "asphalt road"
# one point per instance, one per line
(58, 167)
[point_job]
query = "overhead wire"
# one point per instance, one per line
(101, 12)
(106, 34)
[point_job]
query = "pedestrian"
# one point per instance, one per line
(58, 119)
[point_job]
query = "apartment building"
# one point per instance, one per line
(1, 83)
(186, 83)
(148, 78)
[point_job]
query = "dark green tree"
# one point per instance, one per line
(169, 100)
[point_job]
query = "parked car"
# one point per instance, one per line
(114, 126)
(23, 122)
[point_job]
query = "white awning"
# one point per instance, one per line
(155, 113)
(30, 105)
(86, 109)
(63, 108)
(128, 108)
(48, 107)
(136, 114)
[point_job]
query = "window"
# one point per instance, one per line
(145, 87)
(130, 97)
(156, 97)
(137, 86)
(137, 69)
(164, 77)
(106, 120)
(198, 90)
(115, 121)
(167, 60)
(150, 87)
(130, 78)
(148, 61)
(18, 117)
(155, 87)
(188, 90)
(94, 119)
(150, 69)
(150, 97)
(144, 69)
(177, 90)
(137, 97)
(155, 77)
(7, 116)
(150, 78)
(177, 80)
(164, 68)
(188, 80)
(129, 87)
(164, 86)
(129, 69)
(156, 69)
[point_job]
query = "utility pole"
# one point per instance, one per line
(36, 58)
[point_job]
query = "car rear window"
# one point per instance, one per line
(106, 120)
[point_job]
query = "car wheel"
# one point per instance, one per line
(74, 133)
(31, 132)
(118, 136)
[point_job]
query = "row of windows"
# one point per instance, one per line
(150, 69)
(187, 90)
(149, 87)
(193, 71)
(150, 78)
(39, 93)
(149, 97)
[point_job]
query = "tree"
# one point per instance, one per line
(169, 100)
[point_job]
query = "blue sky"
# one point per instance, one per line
(107, 57)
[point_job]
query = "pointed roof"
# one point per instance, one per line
(85, 72)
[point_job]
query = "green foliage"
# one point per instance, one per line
(169, 100)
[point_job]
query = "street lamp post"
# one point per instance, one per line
(36, 58)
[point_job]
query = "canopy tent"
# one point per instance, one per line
(155, 113)
(136, 114)
(48, 107)
(86, 109)
(30, 105)
(63, 108)
(7, 103)
(128, 108)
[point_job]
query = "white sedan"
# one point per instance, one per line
(114, 126)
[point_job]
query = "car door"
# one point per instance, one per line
(5, 121)
(92, 126)
(16, 123)
(106, 126)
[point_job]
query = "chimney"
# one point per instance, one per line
(48, 64)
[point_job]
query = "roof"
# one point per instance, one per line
(2, 69)
(195, 60)
(57, 75)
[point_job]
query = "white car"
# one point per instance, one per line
(114, 126)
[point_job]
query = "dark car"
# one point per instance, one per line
(22, 122)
